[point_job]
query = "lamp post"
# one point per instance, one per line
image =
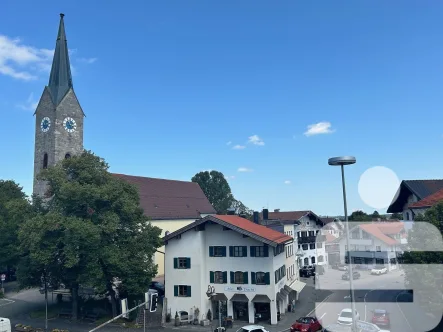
(343, 161)
(211, 293)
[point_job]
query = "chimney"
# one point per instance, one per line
(256, 217)
(265, 214)
(276, 210)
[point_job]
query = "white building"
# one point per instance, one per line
(374, 244)
(245, 263)
(306, 228)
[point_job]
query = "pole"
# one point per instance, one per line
(219, 314)
(351, 275)
(144, 320)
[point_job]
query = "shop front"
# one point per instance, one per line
(262, 308)
(240, 307)
(216, 301)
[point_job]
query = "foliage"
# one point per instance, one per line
(93, 231)
(241, 209)
(396, 216)
(15, 209)
(423, 258)
(359, 216)
(209, 315)
(216, 189)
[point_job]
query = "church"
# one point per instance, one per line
(59, 119)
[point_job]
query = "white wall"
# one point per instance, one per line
(309, 225)
(195, 245)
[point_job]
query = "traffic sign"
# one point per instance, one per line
(3, 277)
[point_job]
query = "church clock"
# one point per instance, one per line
(45, 124)
(69, 124)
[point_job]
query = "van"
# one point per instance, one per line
(5, 325)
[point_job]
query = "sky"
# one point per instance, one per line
(263, 91)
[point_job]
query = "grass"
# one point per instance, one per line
(52, 313)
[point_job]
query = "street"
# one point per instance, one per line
(373, 292)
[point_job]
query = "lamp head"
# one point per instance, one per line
(342, 161)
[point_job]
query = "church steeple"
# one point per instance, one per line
(60, 80)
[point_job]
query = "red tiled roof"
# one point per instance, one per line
(382, 230)
(251, 227)
(428, 201)
(241, 225)
(330, 237)
(288, 215)
(170, 199)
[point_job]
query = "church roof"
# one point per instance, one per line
(170, 199)
(60, 79)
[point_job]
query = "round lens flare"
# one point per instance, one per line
(377, 186)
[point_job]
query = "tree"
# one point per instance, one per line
(93, 232)
(216, 189)
(423, 258)
(359, 216)
(241, 209)
(15, 209)
(396, 216)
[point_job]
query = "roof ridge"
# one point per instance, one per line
(148, 177)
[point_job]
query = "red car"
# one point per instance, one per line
(306, 324)
(380, 317)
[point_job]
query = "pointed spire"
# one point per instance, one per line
(60, 79)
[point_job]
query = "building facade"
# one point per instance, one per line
(244, 262)
(374, 244)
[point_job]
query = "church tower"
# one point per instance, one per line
(58, 117)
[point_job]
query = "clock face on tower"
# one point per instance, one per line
(69, 124)
(45, 124)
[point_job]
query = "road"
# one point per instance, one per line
(373, 292)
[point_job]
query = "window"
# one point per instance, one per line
(307, 223)
(260, 278)
(313, 260)
(279, 249)
(182, 263)
(319, 245)
(239, 277)
(311, 233)
(305, 246)
(217, 251)
(320, 259)
(304, 234)
(306, 261)
(45, 161)
(346, 247)
(260, 251)
(67, 156)
(407, 215)
(182, 291)
(378, 248)
(311, 245)
(218, 277)
(238, 251)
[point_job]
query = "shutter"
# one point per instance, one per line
(276, 276)
(253, 281)
(225, 277)
(188, 262)
(188, 293)
(252, 251)
(175, 290)
(231, 251)
(211, 277)
(232, 277)
(266, 251)
(211, 251)
(224, 251)
(175, 263)
(245, 251)
(267, 278)
(245, 278)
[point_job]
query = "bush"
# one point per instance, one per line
(209, 315)
(168, 317)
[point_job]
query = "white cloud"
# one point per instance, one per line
(229, 177)
(229, 143)
(319, 128)
(30, 104)
(244, 169)
(238, 147)
(287, 182)
(256, 140)
(87, 60)
(24, 62)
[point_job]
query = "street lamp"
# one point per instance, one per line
(343, 161)
(211, 294)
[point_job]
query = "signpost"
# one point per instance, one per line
(3, 278)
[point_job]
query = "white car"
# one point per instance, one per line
(378, 270)
(345, 317)
(252, 328)
(5, 325)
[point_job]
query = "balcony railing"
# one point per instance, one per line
(311, 239)
(361, 241)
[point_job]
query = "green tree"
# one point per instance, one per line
(15, 209)
(93, 233)
(396, 216)
(359, 216)
(216, 189)
(423, 257)
(241, 209)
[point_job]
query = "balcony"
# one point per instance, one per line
(311, 239)
(361, 242)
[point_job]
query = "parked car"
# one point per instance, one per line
(308, 324)
(5, 325)
(252, 328)
(355, 274)
(379, 269)
(380, 317)
(345, 316)
(342, 267)
(306, 272)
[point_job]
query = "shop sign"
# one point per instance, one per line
(239, 289)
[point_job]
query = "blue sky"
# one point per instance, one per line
(166, 85)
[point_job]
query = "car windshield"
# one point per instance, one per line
(346, 314)
(379, 314)
(303, 320)
(379, 267)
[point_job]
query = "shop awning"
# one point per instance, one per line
(261, 299)
(297, 286)
(219, 297)
(285, 292)
(280, 297)
(288, 289)
(239, 298)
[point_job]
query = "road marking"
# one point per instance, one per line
(320, 304)
(7, 302)
(396, 301)
(323, 315)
